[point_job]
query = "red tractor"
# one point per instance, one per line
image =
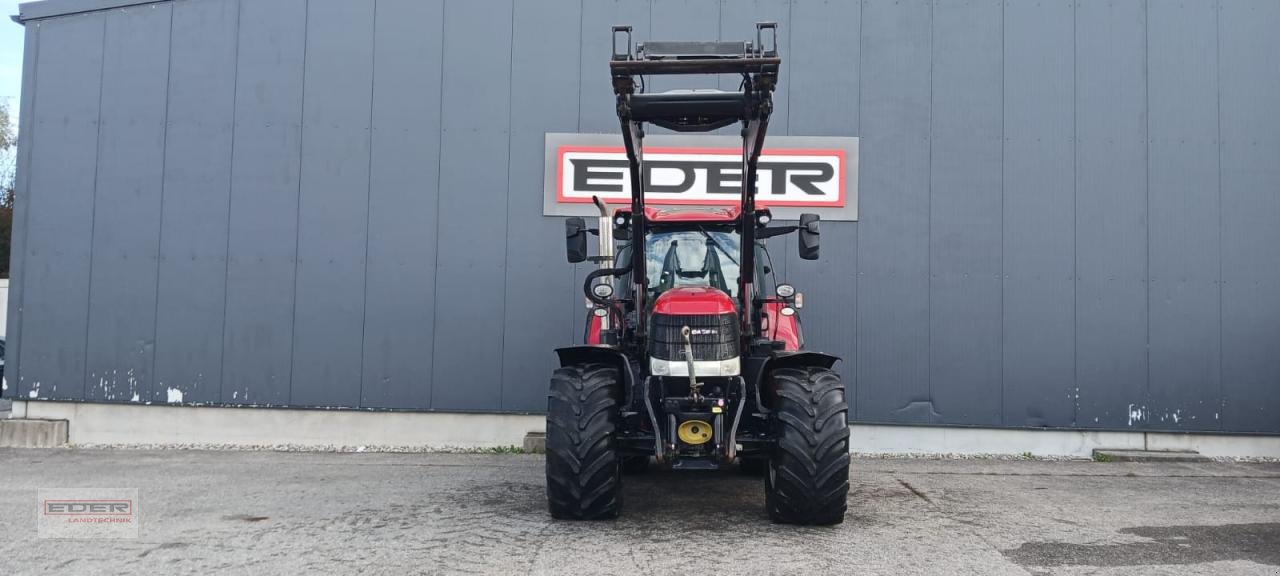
(689, 358)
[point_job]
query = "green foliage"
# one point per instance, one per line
(506, 450)
(7, 186)
(6, 128)
(1100, 457)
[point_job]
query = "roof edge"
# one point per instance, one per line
(28, 11)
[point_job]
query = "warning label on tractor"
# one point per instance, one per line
(795, 175)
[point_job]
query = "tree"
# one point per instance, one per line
(7, 186)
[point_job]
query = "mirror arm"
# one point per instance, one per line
(775, 231)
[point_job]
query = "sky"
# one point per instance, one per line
(11, 39)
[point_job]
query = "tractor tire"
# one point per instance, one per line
(584, 469)
(808, 477)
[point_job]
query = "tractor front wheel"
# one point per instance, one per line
(584, 477)
(808, 477)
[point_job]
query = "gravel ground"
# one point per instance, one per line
(247, 512)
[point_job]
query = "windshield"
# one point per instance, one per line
(692, 257)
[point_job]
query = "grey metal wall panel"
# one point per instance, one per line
(1250, 88)
(18, 238)
(59, 220)
(893, 234)
(474, 163)
(1039, 214)
(1018, 230)
(535, 275)
(1184, 214)
(823, 84)
(825, 104)
(965, 212)
(262, 247)
(120, 353)
(596, 103)
(403, 194)
(1111, 193)
(333, 205)
(191, 288)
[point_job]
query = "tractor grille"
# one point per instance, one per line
(714, 337)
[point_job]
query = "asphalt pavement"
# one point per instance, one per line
(209, 512)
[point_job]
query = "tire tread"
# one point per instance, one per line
(583, 465)
(808, 482)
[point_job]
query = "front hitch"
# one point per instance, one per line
(694, 386)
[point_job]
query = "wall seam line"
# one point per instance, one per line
(153, 381)
(93, 216)
(506, 229)
(1146, 212)
(231, 186)
(297, 212)
(1222, 383)
(368, 204)
(1001, 276)
(857, 240)
(1075, 212)
(928, 371)
(435, 265)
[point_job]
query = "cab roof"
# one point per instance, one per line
(661, 214)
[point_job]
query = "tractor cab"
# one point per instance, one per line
(692, 357)
(688, 247)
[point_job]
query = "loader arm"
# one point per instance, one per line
(696, 111)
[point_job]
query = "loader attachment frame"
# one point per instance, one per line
(757, 64)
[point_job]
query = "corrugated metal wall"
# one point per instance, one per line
(1070, 208)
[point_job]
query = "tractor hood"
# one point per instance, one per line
(693, 300)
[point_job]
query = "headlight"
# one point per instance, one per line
(788, 311)
(763, 218)
(601, 312)
(602, 291)
(785, 290)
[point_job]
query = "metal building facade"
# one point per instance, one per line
(1070, 209)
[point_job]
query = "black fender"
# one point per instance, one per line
(575, 355)
(758, 370)
(802, 358)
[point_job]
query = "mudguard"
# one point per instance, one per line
(803, 358)
(788, 360)
(573, 355)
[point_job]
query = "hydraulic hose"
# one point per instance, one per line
(597, 274)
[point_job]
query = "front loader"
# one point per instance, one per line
(693, 353)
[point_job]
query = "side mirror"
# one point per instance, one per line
(809, 236)
(575, 238)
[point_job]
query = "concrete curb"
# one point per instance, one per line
(535, 443)
(1104, 455)
(18, 433)
(255, 427)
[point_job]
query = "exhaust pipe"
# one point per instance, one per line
(606, 233)
(606, 248)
